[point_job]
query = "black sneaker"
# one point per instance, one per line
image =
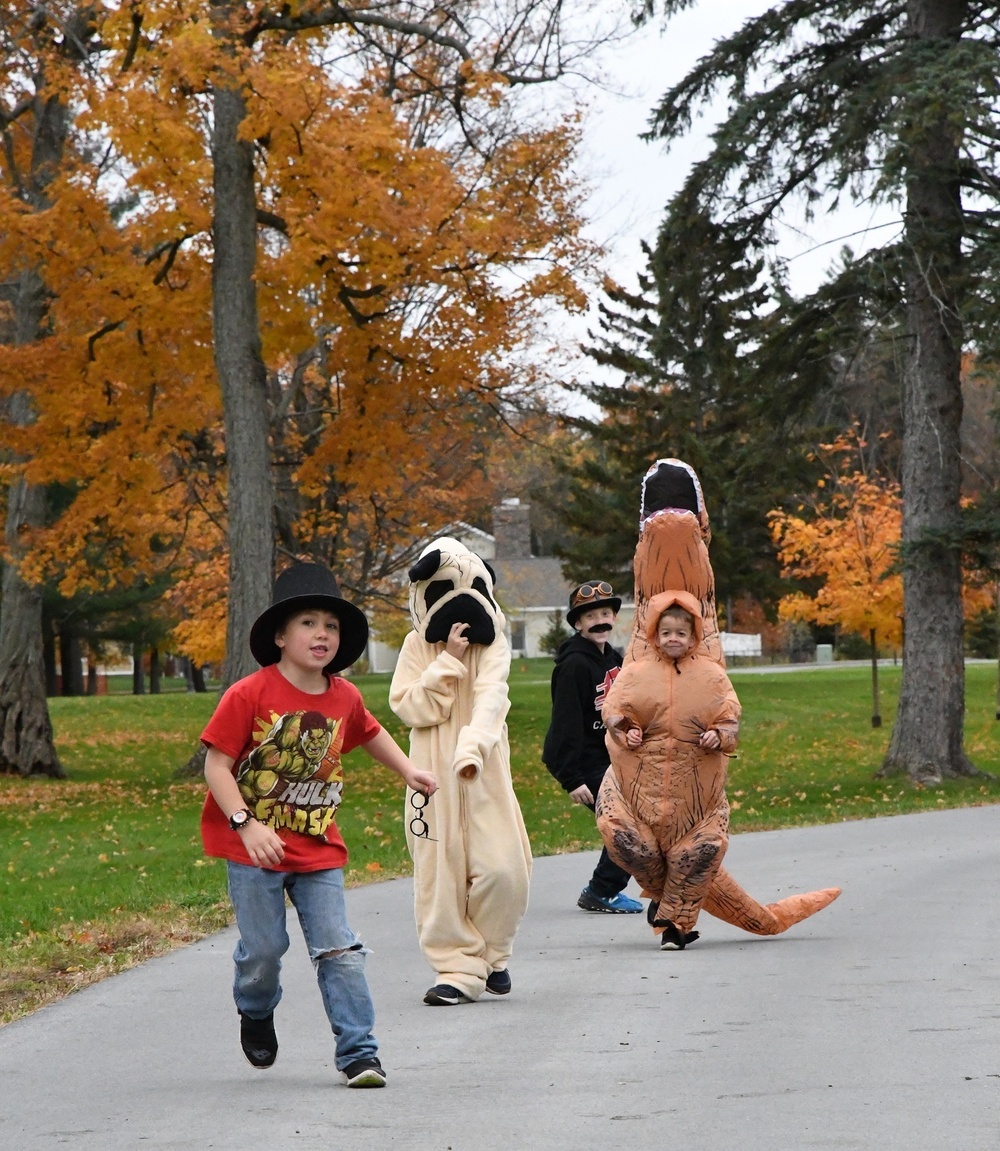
(498, 982)
(364, 1073)
(258, 1040)
(673, 939)
(444, 995)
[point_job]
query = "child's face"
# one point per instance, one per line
(674, 636)
(309, 639)
(596, 623)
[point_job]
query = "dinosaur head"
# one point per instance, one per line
(672, 487)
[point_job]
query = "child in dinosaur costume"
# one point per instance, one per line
(674, 717)
(471, 859)
(672, 554)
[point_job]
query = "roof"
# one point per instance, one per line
(535, 581)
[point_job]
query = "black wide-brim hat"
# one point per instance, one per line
(303, 586)
(590, 594)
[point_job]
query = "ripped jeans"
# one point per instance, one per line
(337, 955)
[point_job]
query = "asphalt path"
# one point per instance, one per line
(874, 1025)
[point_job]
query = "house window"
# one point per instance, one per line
(517, 638)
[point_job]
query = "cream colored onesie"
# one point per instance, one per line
(471, 874)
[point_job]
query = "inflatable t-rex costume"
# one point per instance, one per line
(672, 553)
(663, 804)
(471, 870)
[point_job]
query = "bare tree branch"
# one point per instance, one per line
(334, 14)
(269, 220)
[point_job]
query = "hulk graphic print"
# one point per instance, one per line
(293, 777)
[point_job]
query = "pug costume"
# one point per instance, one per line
(471, 858)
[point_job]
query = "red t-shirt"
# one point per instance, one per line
(286, 745)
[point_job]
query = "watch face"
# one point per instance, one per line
(238, 819)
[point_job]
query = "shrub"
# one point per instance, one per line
(557, 634)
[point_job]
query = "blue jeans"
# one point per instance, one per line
(337, 954)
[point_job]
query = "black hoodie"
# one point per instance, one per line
(574, 750)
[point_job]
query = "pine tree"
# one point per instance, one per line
(881, 102)
(687, 345)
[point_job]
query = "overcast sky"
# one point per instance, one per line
(633, 180)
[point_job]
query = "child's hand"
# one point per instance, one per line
(710, 740)
(582, 794)
(262, 843)
(422, 781)
(633, 737)
(457, 644)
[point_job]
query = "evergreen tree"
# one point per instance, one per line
(881, 102)
(688, 345)
(556, 635)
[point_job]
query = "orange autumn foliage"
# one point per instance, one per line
(118, 379)
(851, 543)
(399, 282)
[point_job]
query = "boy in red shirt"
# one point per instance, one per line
(275, 781)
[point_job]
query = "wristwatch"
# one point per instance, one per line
(240, 818)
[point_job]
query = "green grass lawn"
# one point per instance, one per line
(105, 868)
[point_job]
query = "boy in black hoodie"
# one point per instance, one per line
(574, 751)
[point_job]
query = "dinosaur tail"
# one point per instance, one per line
(728, 901)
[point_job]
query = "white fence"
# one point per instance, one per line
(738, 643)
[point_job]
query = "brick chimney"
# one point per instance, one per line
(512, 530)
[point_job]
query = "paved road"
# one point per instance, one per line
(875, 1025)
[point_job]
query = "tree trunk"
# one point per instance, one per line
(49, 658)
(239, 364)
(996, 592)
(154, 670)
(138, 676)
(27, 746)
(71, 662)
(927, 736)
(876, 703)
(242, 377)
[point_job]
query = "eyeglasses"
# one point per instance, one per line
(418, 825)
(591, 591)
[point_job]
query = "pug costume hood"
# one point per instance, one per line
(450, 584)
(471, 870)
(651, 806)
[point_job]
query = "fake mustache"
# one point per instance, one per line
(600, 627)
